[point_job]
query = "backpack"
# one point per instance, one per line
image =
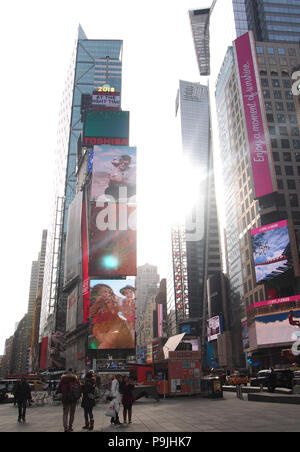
(75, 391)
(71, 391)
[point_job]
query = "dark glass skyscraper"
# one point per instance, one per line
(274, 20)
(201, 234)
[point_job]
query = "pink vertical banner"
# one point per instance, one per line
(251, 90)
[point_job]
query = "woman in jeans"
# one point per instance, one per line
(128, 398)
(88, 400)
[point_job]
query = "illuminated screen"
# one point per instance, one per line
(101, 123)
(114, 172)
(271, 250)
(112, 241)
(112, 314)
(214, 328)
(275, 328)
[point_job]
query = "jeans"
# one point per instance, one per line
(88, 415)
(22, 409)
(68, 409)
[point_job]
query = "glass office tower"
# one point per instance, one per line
(201, 223)
(274, 20)
(94, 63)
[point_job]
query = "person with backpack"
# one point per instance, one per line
(88, 400)
(70, 389)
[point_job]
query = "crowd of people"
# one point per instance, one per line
(71, 390)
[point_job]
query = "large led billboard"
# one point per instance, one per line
(263, 176)
(72, 302)
(106, 127)
(114, 173)
(73, 241)
(112, 246)
(275, 329)
(271, 250)
(112, 314)
(214, 328)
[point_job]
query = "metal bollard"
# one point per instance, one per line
(239, 392)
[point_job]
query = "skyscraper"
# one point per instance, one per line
(201, 241)
(277, 21)
(94, 63)
(251, 99)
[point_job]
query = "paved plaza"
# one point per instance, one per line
(180, 414)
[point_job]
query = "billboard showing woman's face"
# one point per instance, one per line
(112, 315)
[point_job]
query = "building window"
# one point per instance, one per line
(277, 94)
(285, 144)
(290, 106)
(291, 184)
(295, 131)
(279, 106)
(283, 131)
(287, 157)
(281, 118)
(294, 200)
(260, 50)
(289, 170)
(280, 184)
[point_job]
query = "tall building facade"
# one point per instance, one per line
(271, 115)
(93, 63)
(276, 21)
(147, 282)
(196, 246)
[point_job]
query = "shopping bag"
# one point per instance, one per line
(111, 412)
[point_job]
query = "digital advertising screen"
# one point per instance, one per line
(275, 329)
(57, 352)
(106, 100)
(73, 241)
(271, 250)
(72, 310)
(112, 314)
(112, 246)
(214, 328)
(106, 124)
(114, 173)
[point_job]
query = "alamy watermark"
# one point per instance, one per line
(119, 214)
(296, 84)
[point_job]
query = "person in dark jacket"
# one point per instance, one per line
(68, 380)
(127, 398)
(22, 393)
(88, 400)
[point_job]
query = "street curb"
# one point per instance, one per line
(275, 398)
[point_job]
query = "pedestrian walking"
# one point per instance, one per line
(70, 389)
(116, 399)
(127, 398)
(88, 400)
(22, 393)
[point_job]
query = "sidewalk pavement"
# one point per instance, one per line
(180, 414)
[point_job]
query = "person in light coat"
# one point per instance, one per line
(115, 393)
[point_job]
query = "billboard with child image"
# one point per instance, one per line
(112, 314)
(114, 173)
